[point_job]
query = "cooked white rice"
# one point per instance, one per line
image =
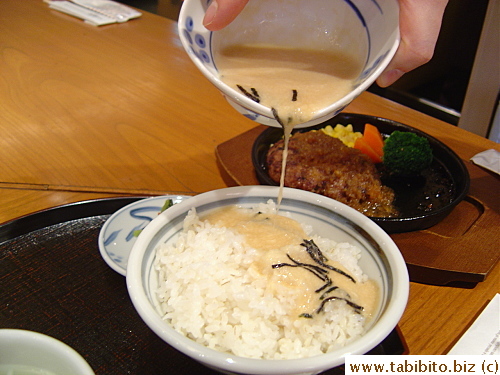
(209, 293)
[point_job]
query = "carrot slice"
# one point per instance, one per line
(366, 149)
(374, 139)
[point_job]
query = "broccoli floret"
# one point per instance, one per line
(406, 153)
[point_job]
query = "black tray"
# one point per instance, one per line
(54, 281)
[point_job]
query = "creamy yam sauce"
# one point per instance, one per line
(295, 82)
(319, 78)
(274, 236)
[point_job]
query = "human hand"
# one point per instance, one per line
(221, 13)
(419, 23)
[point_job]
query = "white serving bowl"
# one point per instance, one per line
(22, 349)
(381, 261)
(366, 29)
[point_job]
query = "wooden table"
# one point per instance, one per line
(120, 110)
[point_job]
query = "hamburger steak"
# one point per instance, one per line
(322, 164)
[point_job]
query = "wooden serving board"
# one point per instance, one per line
(463, 248)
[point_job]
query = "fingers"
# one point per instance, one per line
(419, 23)
(221, 13)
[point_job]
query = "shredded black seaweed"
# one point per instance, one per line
(254, 95)
(316, 255)
(328, 292)
(294, 95)
(315, 270)
(326, 285)
(320, 270)
(355, 306)
(276, 116)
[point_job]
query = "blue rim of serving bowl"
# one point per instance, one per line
(140, 271)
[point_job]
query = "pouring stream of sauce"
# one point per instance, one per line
(295, 83)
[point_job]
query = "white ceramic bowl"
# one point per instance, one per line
(27, 350)
(381, 261)
(368, 29)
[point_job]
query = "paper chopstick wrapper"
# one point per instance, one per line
(489, 159)
(95, 12)
(483, 337)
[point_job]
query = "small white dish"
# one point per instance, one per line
(28, 352)
(119, 232)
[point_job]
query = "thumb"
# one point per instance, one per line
(419, 24)
(221, 13)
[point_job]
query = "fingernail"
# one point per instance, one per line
(210, 13)
(389, 77)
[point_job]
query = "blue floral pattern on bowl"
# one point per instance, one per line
(118, 234)
(199, 41)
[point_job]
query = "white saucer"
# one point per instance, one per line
(118, 234)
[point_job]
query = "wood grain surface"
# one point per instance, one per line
(90, 112)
